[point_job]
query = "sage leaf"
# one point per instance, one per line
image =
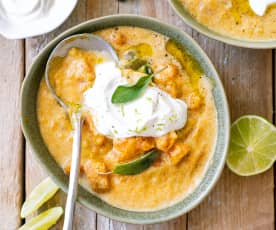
(146, 69)
(135, 64)
(125, 93)
(138, 165)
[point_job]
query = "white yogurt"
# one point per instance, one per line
(260, 6)
(26, 18)
(154, 113)
(20, 11)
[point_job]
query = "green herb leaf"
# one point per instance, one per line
(138, 165)
(146, 69)
(126, 93)
(129, 93)
(135, 64)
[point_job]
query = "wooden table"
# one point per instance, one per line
(248, 76)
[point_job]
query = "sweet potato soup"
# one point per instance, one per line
(234, 18)
(183, 154)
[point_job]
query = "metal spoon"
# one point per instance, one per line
(86, 42)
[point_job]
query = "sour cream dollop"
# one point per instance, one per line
(154, 114)
(20, 11)
(260, 6)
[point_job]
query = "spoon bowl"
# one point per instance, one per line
(85, 42)
(82, 41)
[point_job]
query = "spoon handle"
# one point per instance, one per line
(74, 173)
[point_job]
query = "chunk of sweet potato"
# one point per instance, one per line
(194, 101)
(99, 183)
(98, 139)
(144, 144)
(129, 148)
(88, 122)
(165, 142)
(111, 159)
(167, 75)
(179, 151)
(167, 79)
(118, 38)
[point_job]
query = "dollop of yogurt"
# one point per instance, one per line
(260, 6)
(155, 113)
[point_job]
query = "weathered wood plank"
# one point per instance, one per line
(236, 202)
(98, 8)
(240, 202)
(274, 95)
(11, 140)
(84, 218)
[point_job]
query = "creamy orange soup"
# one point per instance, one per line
(185, 153)
(234, 18)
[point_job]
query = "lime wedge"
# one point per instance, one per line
(44, 221)
(252, 147)
(41, 193)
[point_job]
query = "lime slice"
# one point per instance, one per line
(44, 221)
(41, 193)
(252, 146)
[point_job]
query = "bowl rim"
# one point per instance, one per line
(54, 173)
(243, 43)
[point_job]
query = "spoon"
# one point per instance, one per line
(260, 6)
(86, 42)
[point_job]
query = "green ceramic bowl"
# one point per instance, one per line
(192, 22)
(33, 136)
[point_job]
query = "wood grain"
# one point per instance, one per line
(236, 202)
(274, 96)
(11, 140)
(34, 172)
(240, 202)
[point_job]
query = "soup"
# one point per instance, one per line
(183, 153)
(234, 18)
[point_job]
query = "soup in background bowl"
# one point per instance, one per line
(230, 21)
(191, 157)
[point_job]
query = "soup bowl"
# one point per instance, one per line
(240, 42)
(32, 132)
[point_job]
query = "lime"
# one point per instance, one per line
(252, 147)
(41, 193)
(44, 220)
